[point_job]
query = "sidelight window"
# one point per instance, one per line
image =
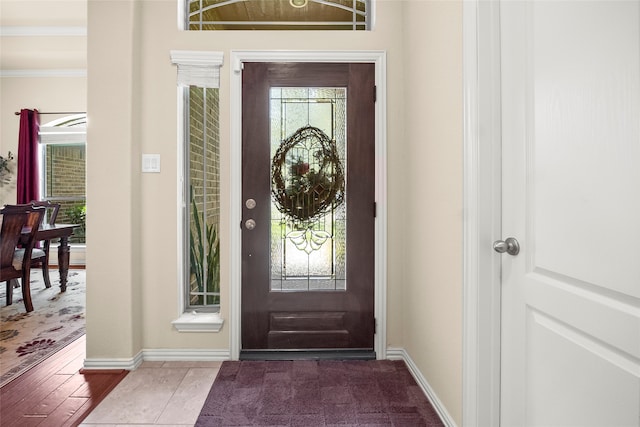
(202, 154)
(198, 81)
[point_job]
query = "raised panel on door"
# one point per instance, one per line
(571, 196)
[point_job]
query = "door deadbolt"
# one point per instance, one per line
(250, 203)
(250, 224)
(510, 246)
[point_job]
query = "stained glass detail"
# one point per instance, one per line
(308, 214)
(214, 15)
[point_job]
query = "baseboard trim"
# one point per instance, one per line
(195, 355)
(119, 363)
(158, 355)
(401, 354)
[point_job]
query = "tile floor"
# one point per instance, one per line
(157, 394)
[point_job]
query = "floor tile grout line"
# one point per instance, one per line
(189, 370)
(173, 393)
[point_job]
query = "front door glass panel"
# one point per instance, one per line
(308, 186)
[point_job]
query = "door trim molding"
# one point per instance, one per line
(237, 58)
(482, 207)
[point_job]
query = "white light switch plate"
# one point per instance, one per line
(151, 163)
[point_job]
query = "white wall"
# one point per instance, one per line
(432, 304)
(137, 84)
(132, 265)
(114, 277)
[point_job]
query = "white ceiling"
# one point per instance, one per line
(45, 36)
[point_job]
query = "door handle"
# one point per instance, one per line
(510, 246)
(250, 224)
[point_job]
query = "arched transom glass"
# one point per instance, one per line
(278, 14)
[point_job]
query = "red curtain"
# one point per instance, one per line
(28, 156)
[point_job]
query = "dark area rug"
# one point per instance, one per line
(316, 393)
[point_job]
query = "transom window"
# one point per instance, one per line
(278, 15)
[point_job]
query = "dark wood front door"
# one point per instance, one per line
(308, 187)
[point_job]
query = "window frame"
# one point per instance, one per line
(187, 190)
(202, 69)
(68, 130)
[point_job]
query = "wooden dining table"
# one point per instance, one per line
(61, 232)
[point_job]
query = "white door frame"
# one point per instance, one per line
(238, 57)
(482, 207)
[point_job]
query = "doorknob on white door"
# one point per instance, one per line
(510, 246)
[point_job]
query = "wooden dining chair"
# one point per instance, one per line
(42, 256)
(20, 224)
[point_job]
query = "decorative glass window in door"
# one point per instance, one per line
(308, 183)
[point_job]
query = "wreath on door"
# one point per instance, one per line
(307, 176)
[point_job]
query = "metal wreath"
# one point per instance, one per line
(307, 176)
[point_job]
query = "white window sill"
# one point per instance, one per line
(198, 322)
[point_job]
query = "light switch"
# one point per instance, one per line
(151, 163)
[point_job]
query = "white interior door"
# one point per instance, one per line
(571, 197)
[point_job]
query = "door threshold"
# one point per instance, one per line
(331, 354)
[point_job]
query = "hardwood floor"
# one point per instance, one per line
(57, 392)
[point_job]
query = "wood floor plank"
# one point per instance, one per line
(28, 380)
(32, 378)
(96, 398)
(28, 421)
(26, 397)
(74, 365)
(57, 397)
(63, 413)
(93, 385)
(57, 392)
